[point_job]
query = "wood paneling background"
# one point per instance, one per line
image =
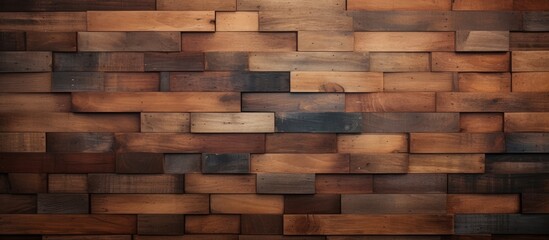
(274, 119)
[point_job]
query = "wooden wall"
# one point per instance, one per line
(274, 119)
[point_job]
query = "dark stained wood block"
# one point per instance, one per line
(526, 122)
(536, 21)
(212, 224)
(491, 20)
(393, 204)
(309, 61)
(17, 204)
(149, 204)
(102, 62)
(470, 62)
(68, 122)
(312, 204)
(80, 142)
(527, 142)
(230, 82)
(185, 61)
(484, 82)
(27, 183)
(293, 102)
(301, 143)
(4, 183)
(22, 142)
(129, 41)
(132, 183)
(160, 224)
(25, 61)
(261, 224)
(476, 203)
(77, 82)
(285, 183)
(517, 163)
(63, 203)
(35, 102)
(497, 183)
(196, 5)
(131, 82)
(247, 204)
(501, 224)
(491, 102)
(220, 183)
(239, 42)
(457, 142)
(328, 122)
(481, 122)
(67, 183)
(51, 41)
(300, 163)
(139, 163)
(56, 162)
(43, 21)
(182, 163)
(390, 102)
(135, 21)
(12, 41)
(165, 122)
(190, 236)
(535, 203)
(25, 82)
(67, 224)
(226, 61)
(343, 183)
(410, 122)
(410, 183)
(226, 163)
(446, 163)
(74, 5)
(399, 62)
(530, 61)
(528, 41)
(401, 21)
(379, 163)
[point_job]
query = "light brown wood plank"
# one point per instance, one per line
(22, 142)
(446, 163)
(477, 203)
(236, 21)
(131, 82)
(128, 21)
(390, 102)
(238, 42)
(309, 61)
(67, 183)
(196, 5)
(372, 143)
(399, 62)
(404, 41)
(482, 41)
(67, 224)
(399, 5)
(219, 183)
(246, 204)
(470, 62)
(418, 82)
(129, 41)
(68, 122)
(165, 122)
(393, 204)
(481, 122)
(530, 61)
(51, 41)
(336, 81)
(530, 82)
(35, 102)
(149, 204)
(43, 21)
(310, 41)
(25, 61)
(25, 82)
(304, 20)
(232, 122)
(484, 82)
(282, 5)
(379, 163)
(484, 5)
(457, 143)
(492, 102)
(526, 122)
(300, 163)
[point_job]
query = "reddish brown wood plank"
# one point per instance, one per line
(25, 61)
(312, 204)
(74, 5)
(343, 183)
(530, 82)
(56, 162)
(301, 143)
(151, 21)
(240, 42)
(379, 163)
(67, 224)
(390, 102)
(404, 41)
(530, 61)
(12, 204)
(149, 204)
(474, 5)
(410, 183)
(261, 224)
(481, 122)
(470, 62)
(476, 203)
(484, 82)
(68, 122)
(67, 183)
(63, 203)
(393, 204)
(528, 41)
(446, 163)
(246, 204)
(196, 5)
(418, 82)
(80, 142)
(131, 82)
(527, 122)
(138, 162)
(457, 143)
(399, 5)
(535, 203)
(55, 41)
(163, 224)
(220, 183)
(372, 143)
(43, 21)
(35, 102)
(25, 82)
(300, 163)
(492, 102)
(22, 142)
(212, 224)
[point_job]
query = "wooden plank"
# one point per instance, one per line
(74, 5)
(236, 21)
(311, 41)
(501, 224)
(343, 183)
(4, 183)
(190, 143)
(530, 5)
(372, 143)
(261, 224)
(80, 142)
(410, 183)
(229, 81)
(530, 82)
(22, 142)
(67, 183)
(404, 41)
(56, 162)
(87, 237)
(139, 163)
(131, 183)
(484, 82)
(379, 163)
(497, 183)
(535, 203)
(77, 82)
(399, 5)
(12, 41)
(390, 102)
(527, 122)
(180, 61)
(481, 122)
(149, 204)
(182, 163)
(25, 82)
(528, 41)
(418, 82)
(482, 41)
(285, 183)
(399, 62)
(190, 236)
(327, 122)
(232, 122)
(301, 143)
(410, 122)
(226, 163)
(43, 21)
(67, 224)
(246, 204)
(473, 5)
(527, 142)
(220, 183)
(165, 122)
(355, 224)
(51, 41)
(312, 204)
(535, 21)
(393, 204)
(63, 203)
(457, 142)
(446, 163)
(129, 41)
(293, 102)
(212, 224)
(35, 102)
(226, 61)
(492, 102)
(156, 102)
(402, 21)
(517, 163)
(196, 5)
(470, 62)
(17, 204)
(25, 61)
(98, 62)
(272, 5)
(240, 42)
(336, 81)
(530, 61)
(491, 20)
(131, 82)
(476, 203)
(27, 183)
(305, 20)
(134, 21)
(309, 61)
(300, 163)
(148, 224)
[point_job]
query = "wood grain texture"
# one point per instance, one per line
(530, 82)
(92, 142)
(226, 163)
(497, 183)
(63, 203)
(236, 21)
(528, 41)
(226, 61)
(390, 102)
(309, 61)
(526, 142)
(25, 82)
(130, 183)
(149, 204)
(240, 42)
(164, 224)
(535, 21)
(29, 183)
(399, 62)
(404, 41)
(313, 204)
(99, 61)
(476, 203)
(12, 41)
(43, 21)
(516, 163)
(410, 183)
(67, 183)
(481, 122)
(22, 142)
(17, 204)
(535, 203)
(165, 122)
(229, 81)
(246, 204)
(500, 224)
(482, 41)
(337, 41)
(87, 237)
(457, 142)
(212, 224)
(261, 224)
(529, 61)
(402, 21)
(129, 41)
(232, 122)
(336, 81)
(399, 5)
(51, 41)
(196, 5)
(379, 163)
(272, 5)
(492, 102)
(57, 162)
(484, 82)
(301, 143)
(470, 62)
(300, 163)
(131, 82)
(304, 20)
(220, 183)
(182, 163)
(410, 122)
(176, 61)
(77, 82)
(343, 183)
(67, 224)
(418, 82)
(35, 102)
(25, 61)
(151, 21)
(446, 163)
(472, 5)
(285, 183)
(492, 20)
(74, 5)
(372, 143)
(526, 122)
(293, 102)
(393, 204)
(326, 122)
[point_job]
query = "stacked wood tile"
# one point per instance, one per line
(274, 119)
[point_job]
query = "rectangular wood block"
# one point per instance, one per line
(355, 224)
(220, 183)
(182, 163)
(481, 122)
(418, 82)
(190, 143)
(77, 82)
(305, 20)
(301, 143)
(309, 61)
(410, 183)
(98, 61)
(17, 203)
(63, 203)
(530, 82)
(492, 102)
(399, 62)
(225, 163)
(310, 41)
(43, 21)
(535, 203)
(474, 5)
(399, 5)
(132, 21)
(530, 61)
(149, 204)
(232, 122)
(35, 102)
(27, 183)
(12, 41)
(164, 224)
(476, 203)
(379, 163)
(527, 142)
(336, 81)
(343, 183)
(56, 162)
(67, 224)
(527, 122)
(22, 142)
(239, 42)
(226, 61)
(517, 163)
(404, 41)
(501, 224)
(491, 20)
(51, 41)
(196, 5)
(535, 21)
(176, 61)
(261, 224)
(446, 163)
(327, 122)
(393, 204)
(80, 142)
(129, 41)
(470, 62)
(272, 5)
(156, 102)
(236, 21)
(25, 61)
(530, 5)
(497, 183)
(402, 21)
(529, 41)
(312, 204)
(212, 224)
(131, 82)
(25, 82)
(457, 143)
(482, 41)
(372, 143)
(132, 183)
(74, 5)
(484, 82)
(165, 122)
(88, 237)
(67, 183)
(229, 81)
(293, 102)
(390, 102)
(410, 122)
(300, 163)
(285, 183)
(246, 204)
